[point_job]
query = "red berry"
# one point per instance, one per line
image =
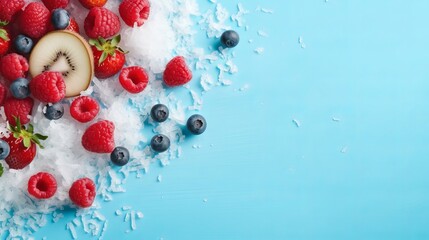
(4, 40)
(48, 87)
(13, 66)
(74, 27)
(177, 72)
(9, 8)
(22, 142)
(53, 4)
(133, 79)
(84, 109)
(99, 137)
(3, 93)
(101, 22)
(134, 11)
(109, 58)
(35, 20)
(42, 185)
(82, 192)
(92, 3)
(20, 108)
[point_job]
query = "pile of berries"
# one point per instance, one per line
(21, 27)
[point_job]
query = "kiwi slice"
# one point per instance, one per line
(68, 53)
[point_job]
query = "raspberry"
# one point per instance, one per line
(84, 109)
(42, 185)
(101, 22)
(48, 87)
(13, 66)
(99, 137)
(134, 11)
(19, 108)
(133, 79)
(53, 4)
(82, 192)
(177, 72)
(9, 8)
(92, 3)
(35, 20)
(3, 93)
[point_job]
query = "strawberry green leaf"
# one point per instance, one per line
(102, 40)
(18, 123)
(27, 142)
(1, 169)
(102, 58)
(40, 136)
(115, 41)
(30, 128)
(3, 23)
(3, 35)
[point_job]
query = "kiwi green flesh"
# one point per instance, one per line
(67, 53)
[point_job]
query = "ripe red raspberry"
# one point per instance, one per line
(53, 4)
(84, 109)
(177, 72)
(13, 66)
(134, 11)
(133, 79)
(9, 8)
(3, 93)
(20, 108)
(82, 192)
(99, 137)
(42, 185)
(35, 20)
(101, 22)
(48, 87)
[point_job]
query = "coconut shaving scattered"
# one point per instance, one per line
(168, 32)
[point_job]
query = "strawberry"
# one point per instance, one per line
(4, 39)
(22, 143)
(20, 108)
(177, 72)
(109, 58)
(99, 137)
(92, 3)
(101, 22)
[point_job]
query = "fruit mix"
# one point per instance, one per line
(37, 63)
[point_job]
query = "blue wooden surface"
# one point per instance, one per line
(363, 177)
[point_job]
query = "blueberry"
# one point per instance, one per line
(159, 113)
(19, 88)
(196, 124)
(54, 111)
(23, 44)
(160, 143)
(120, 156)
(60, 19)
(4, 149)
(230, 39)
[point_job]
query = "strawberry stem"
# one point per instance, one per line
(108, 47)
(27, 135)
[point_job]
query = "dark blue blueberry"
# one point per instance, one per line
(159, 113)
(4, 149)
(230, 39)
(54, 111)
(160, 143)
(60, 19)
(19, 88)
(23, 44)
(120, 156)
(196, 124)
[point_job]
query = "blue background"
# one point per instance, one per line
(363, 177)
